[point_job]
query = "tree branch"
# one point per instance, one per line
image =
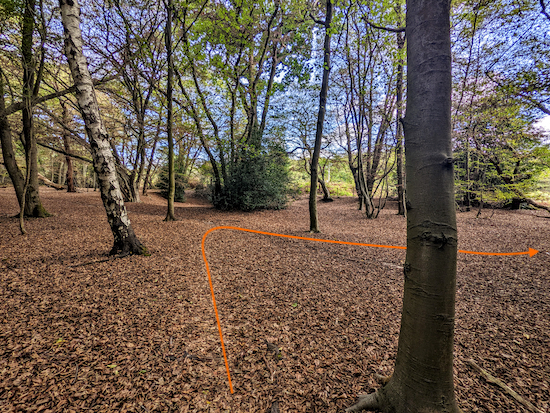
(80, 158)
(492, 379)
(388, 29)
(543, 6)
(522, 94)
(16, 107)
(321, 22)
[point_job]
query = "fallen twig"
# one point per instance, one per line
(492, 379)
(75, 375)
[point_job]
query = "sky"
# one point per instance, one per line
(544, 123)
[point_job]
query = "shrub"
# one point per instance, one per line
(258, 180)
(181, 182)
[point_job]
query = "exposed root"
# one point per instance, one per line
(128, 246)
(367, 402)
(537, 204)
(383, 380)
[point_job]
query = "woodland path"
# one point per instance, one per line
(139, 334)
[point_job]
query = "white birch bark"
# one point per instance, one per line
(104, 163)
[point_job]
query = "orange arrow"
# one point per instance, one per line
(531, 252)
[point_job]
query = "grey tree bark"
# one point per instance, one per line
(171, 174)
(8, 152)
(32, 74)
(423, 376)
(313, 221)
(67, 147)
(125, 241)
(399, 129)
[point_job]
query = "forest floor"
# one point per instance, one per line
(306, 324)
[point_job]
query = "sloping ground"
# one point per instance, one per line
(306, 324)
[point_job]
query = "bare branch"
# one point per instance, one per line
(16, 107)
(388, 29)
(543, 6)
(321, 22)
(80, 158)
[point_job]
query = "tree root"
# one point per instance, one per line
(537, 204)
(366, 402)
(383, 380)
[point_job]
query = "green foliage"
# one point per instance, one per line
(181, 183)
(9, 8)
(340, 182)
(257, 180)
(504, 154)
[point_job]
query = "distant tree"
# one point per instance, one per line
(300, 126)
(512, 153)
(367, 80)
(67, 147)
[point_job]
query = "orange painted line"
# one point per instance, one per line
(531, 252)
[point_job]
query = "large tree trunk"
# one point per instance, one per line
(313, 221)
(423, 377)
(125, 241)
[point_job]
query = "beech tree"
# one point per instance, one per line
(423, 376)
(125, 241)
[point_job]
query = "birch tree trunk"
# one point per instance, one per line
(125, 241)
(423, 376)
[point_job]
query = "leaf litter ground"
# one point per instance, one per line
(306, 324)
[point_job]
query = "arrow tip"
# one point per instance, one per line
(532, 252)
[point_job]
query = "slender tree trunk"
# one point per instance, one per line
(125, 241)
(171, 174)
(67, 147)
(33, 204)
(60, 172)
(326, 193)
(423, 377)
(398, 126)
(8, 153)
(150, 165)
(313, 221)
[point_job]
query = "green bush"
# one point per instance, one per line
(181, 183)
(258, 180)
